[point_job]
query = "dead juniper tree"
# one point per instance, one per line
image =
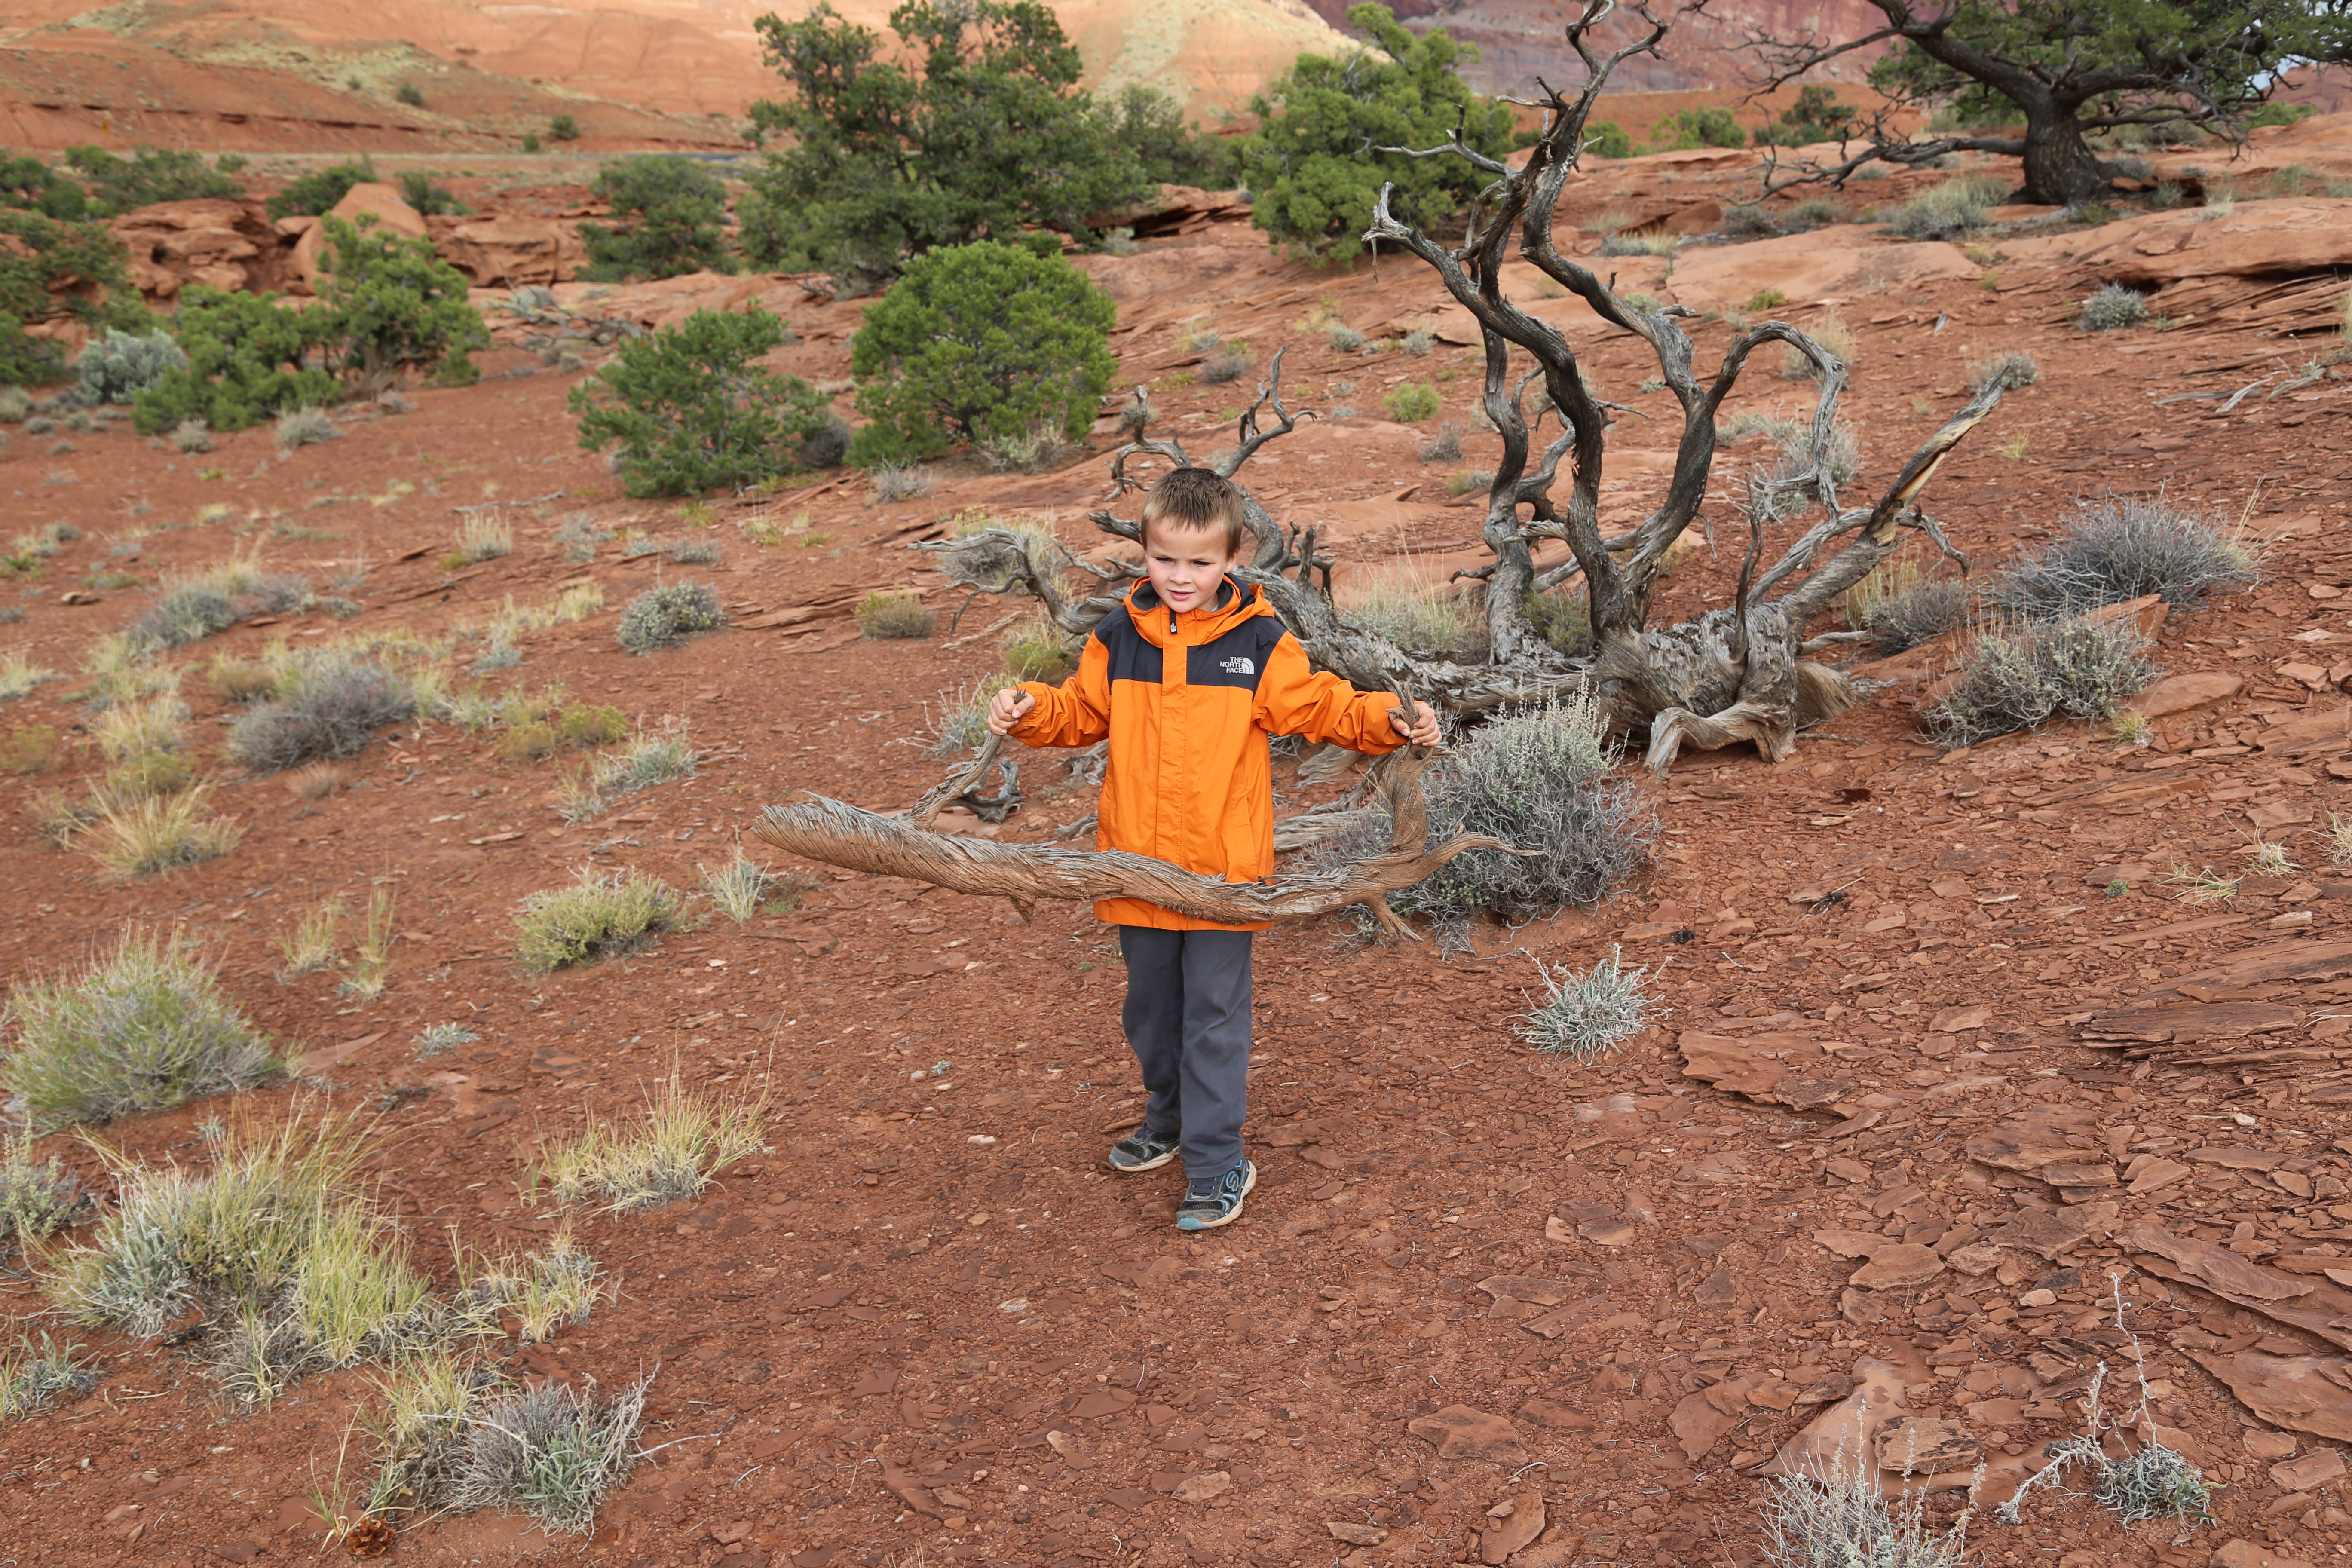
(1734, 674)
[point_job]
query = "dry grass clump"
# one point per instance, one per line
(305, 427)
(482, 536)
(1037, 650)
(30, 749)
(2019, 676)
(671, 1153)
(310, 946)
(963, 723)
(1584, 1016)
(19, 675)
(539, 1293)
(1953, 208)
(1230, 364)
(597, 917)
(440, 1040)
(894, 483)
(143, 1027)
(148, 836)
(1832, 334)
(2123, 548)
(884, 615)
(1416, 612)
(1844, 1519)
(238, 681)
(738, 888)
(651, 760)
(372, 958)
(36, 1200)
(552, 1452)
(290, 1266)
(1030, 451)
(34, 1379)
(203, 603)
(1904, 607)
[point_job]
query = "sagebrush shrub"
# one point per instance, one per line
(1583, 1015)
(666, 616)
(331, 706)
(1410, 402)
(980, 342)
(305, 427)
(1538, 780)
(886, 616)
(2112, 308)
(2122, 548)
(118, 366)
(2015, 678)
(2014, 370)
(691, 411)
(144, 1027)
(553, 1452)
(1952, 207)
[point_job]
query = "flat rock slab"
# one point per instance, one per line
(1458, 1432)
(2185, 692)
(2302, 1393)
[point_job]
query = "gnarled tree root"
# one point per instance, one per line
(841, 834)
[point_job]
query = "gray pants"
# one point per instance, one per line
(1188, 1019)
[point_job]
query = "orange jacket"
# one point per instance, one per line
(1188, 700)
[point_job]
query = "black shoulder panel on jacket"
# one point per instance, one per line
(1131, 658)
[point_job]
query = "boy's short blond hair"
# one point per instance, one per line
(1196, 500)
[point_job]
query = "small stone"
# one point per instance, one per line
(1976, 1257)
(1458, 1432)
(2269, 1446)
(2038, 1299)
(1201, 1487)
(1952, 1020)
(1520, 1524)
(1355, 1535)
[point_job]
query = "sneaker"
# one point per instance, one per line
(1207, 1204)
(1144, 1150)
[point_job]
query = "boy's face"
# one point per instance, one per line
(1185, 564)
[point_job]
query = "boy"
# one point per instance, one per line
(1188, 678)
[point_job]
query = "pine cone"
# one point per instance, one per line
(368, 1537)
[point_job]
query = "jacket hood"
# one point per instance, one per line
(1234, 603)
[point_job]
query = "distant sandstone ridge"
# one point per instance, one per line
(500, 67)
(1519, 40)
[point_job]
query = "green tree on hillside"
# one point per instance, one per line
(675, 209)
(49, 268)
(2067, 68)
(392, 306)
(972, 128)
(1316, 165)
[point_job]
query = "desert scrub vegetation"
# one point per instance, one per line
(1844, 1520)
(480, 536)
(670, 1152)
(597, 917)
(328, 704)
(960, 723)
(2110, 308)
(440, 1040)
(20, 676)
(2124, 548)
(29, 749)
(1902, 606)
(1538, 779)
(738, 888)
(1581, 1017)
(371, 964)
(673, 212)
(542, 1291)
(1035, 649)
(34, 1378)
(116, 366)
(650, 760)
(1415, 612)
(36, 1200)
(689, 409)
(2014, 370)
(1410, 402)
(141, 744)
(155, 834)
(552, 1452)
(1832, 334)
(279, 1251)
(308, 427)
(886, 614)
(195, 604)
(666, 616)
(1953, 208)
(980, 342)
(313, 943)
(143, 1027)
(2018, 676)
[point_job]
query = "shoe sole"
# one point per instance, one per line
(1249, 1185)
(1135, 1166)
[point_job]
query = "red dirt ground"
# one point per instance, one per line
(1024, 1332)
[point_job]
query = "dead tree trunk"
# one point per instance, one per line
(1731, 675)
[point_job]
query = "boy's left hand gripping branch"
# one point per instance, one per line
(839, 834)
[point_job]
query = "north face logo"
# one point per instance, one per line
(1237, 665)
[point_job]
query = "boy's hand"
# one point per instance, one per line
(1006, 709)
(1422, 731)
